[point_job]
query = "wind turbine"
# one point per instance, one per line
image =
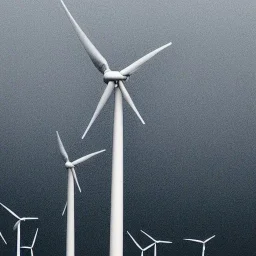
(70, 239)
(31, 247)
(201, 242)
(114, 81)
(17, 225)
(156, 241)
(142, 249)
(3, 238)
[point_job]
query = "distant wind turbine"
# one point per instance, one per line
(32, 246)
(156, 241)
(70, 166)
(201, 242)
(114, 81)
(17, 225)
(3, 238)
(142, 249)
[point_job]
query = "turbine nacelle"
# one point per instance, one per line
(69, 165)
(110, 75)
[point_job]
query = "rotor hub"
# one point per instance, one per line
(69, 165)
(113, 76)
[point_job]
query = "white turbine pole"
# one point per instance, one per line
(203, 249)
(18, 239)
(116, 221)
(70, 241)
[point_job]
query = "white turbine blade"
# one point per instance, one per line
(62, 149)
(98, 60)
(3, 238)
(164, 242)
(148, 247)
(209, 239)
(194, 240)
(75, 178)
(128, 98)
(32, 253)
(148, 236)
(30, 218)
(134, 240)
(10, 211)
(105, 96)
(134, 66)
(16, 224)
(64, 208)
(34, 239)
(84, 158)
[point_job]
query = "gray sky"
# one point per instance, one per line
(189, 172)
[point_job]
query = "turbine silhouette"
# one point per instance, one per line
(32, 246)
(142, 249)
(70, 166)
(201, 242)
(114, 81)
(156, 241)
(17, 225)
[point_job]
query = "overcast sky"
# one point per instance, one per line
(188, 173)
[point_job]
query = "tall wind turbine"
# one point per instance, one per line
(3, 238)
(156, 241)
(114, 81)
(142, 249)
(70, 166)
(201, 242)
(17, 225)
(32, 246)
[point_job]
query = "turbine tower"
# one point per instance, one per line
(70, 166)
(201, 242)
(32, 246)
(3, 238)
(114, 81)
(17, 225)
(156, 241)
(142, 249)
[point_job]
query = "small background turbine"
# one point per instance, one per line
(156, 241)
(32, 246)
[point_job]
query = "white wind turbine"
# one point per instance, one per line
(70, 238)
(156, 241)
(32, 246)
(17, 225)
(3, 238)
(142, 249)
(201, 242)
(114, 81)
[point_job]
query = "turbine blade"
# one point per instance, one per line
(84, 158)
(75, 178)
(10, 211)
(32, 253)
(98, 60)
(25, 247)
(16, 224)
(64, 208)
(148, 247)
(164, 242)
(134, 240)
(62, 149)
(34, 239)
(128, 98)
(105, 96)
(148, 236)
(134, 66)
(30, 218)
(3, 238)
(194, 240)
(209, 239)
